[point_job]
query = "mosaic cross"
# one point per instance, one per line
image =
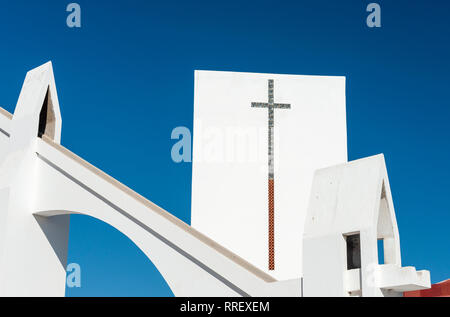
(270, 107)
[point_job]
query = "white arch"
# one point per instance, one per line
(47, 217)
(67, 184)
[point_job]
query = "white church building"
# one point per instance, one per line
(277, 209)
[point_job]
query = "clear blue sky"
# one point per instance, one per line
(125, 80)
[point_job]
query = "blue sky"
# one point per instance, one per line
(125, 80)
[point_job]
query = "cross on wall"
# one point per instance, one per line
(271, 177)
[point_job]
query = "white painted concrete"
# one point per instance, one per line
(170, 244)
(354, 198)
(42, 183)
(229, 177)
(28, 263)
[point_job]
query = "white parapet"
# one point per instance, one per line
(401, 279)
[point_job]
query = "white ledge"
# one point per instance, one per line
(401, 279)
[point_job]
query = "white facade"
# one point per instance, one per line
(230, 160)
(354, 199)
(41, 183)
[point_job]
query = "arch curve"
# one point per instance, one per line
(111, 263)
(65, 187)
(115, 225)
(191, 263)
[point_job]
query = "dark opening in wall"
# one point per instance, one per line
(353, 251)
(47, 118)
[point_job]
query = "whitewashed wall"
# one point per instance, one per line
(229, 181)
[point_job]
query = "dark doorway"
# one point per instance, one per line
(353, 251)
